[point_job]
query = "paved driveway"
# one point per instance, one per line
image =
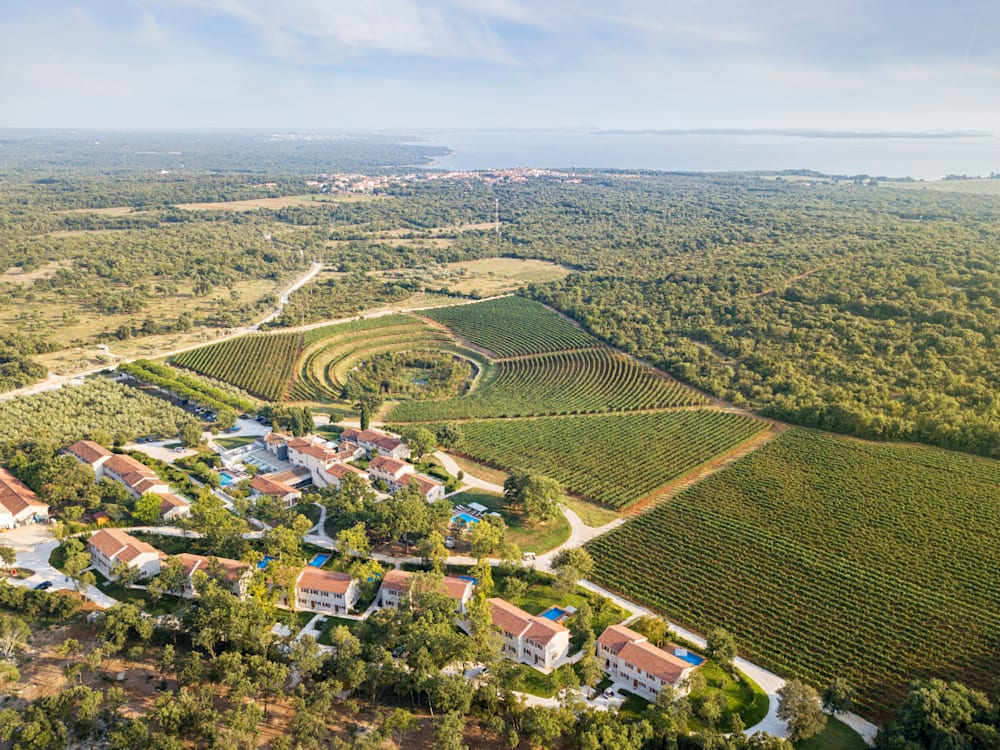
(33, 545)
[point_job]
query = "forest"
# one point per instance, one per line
(862, 309)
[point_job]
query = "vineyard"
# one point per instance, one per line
(572, 382)
(612, 459)
(261, 364)
(512, 327)
(331, 351)
(872, 562)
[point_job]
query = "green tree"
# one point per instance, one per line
(420, 441)
(799, 707)
(838, 696)
(147, 509)
(448, 732)
(941, 715)
(721, 647)
(537, 495)
(190, 434)
(433, 552)
(353, 542)
(570, 565)
(7, 555)
(14, 633)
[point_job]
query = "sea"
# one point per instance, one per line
(921, 157)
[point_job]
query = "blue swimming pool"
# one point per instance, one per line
(683, 653)
(555, 614)
(319, 559)
(226, 479)
(464, 518)
(264, 563)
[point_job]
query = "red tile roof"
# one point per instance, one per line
(390, 465)
(89, 452)
(424, 483)
(324, 580)
(517, 622)
(267, 485)
(116, 544)
(232, 570)
(16, 496)
(634, 648)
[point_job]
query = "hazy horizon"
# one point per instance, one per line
(402, 66)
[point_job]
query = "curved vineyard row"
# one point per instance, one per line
(261, 364)
(512, 327)
(888, 548)
(325, 363)
(584, 381)
(612, 459)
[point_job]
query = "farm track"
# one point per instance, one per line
(703, 472)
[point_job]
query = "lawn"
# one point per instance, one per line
(528, 536)
(743, 695)
(634, 705)
(836, 736)
(532, 681)
(237, 441)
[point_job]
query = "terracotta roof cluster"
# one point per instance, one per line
(341, 470)
(89, 452)
(636, 649)
(133, 474)
(313, 448)
(115, 544)
(16, 496)
(392, 466)
(233, 570)
(292, 477)
(424, 483)
(267, 484)
(517, 622)
(329, 581)
(402, 581)
(170, 501)
(372, 437)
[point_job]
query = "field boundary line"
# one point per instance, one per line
(703, 472)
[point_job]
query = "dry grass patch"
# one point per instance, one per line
(283, 202)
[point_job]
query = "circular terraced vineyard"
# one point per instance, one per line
(332, 351)
(512, 327)
(583, 381)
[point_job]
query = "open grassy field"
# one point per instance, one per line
(71, 322)
(867, 561)
(486, 277)
(612, 459)
(528, 536)
(282, 202)
(971, 187)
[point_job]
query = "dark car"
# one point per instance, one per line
(43, 585)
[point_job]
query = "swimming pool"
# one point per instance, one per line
(226, 479)
(464, 518)
(319, 559)
(264, 563)
(683, 653)
(555, 614)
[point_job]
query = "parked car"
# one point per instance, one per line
(179, 449)
(43, 586)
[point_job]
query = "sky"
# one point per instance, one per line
(414, 65)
